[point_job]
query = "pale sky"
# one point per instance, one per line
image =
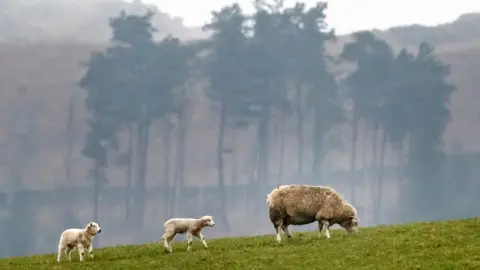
(344, 15)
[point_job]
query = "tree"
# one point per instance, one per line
(131, 84)
(368, 86)
(265, 70)
(323, 96)
(226, 75)
(426, 94)
(300, 47)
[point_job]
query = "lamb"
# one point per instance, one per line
(190, 226)
(80, 238)
(304, 204)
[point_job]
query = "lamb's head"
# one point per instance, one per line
(349, 221)
(93, 228)
(207, 221)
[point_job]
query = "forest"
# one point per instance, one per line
(260, 73)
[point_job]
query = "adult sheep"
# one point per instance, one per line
(304, 204)
(80, 238)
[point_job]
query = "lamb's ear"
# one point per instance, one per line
(90, 224)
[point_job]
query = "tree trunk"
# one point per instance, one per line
(253, 176)
(220, 166)
(353, 156)
(68, 159)
(234, 159)
(166, 165)
(263, 148)
(298, 107)
(364, 154)
(318, 135)
(140, 182)
(282, 147)
(131, 134)
(373, 174)
(378, 211)
(263, 152)
(254, 168)
(400, 163)
(179, 179)
(97, 178)
(96, 186)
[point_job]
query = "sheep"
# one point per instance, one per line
(304, 204)
(80, 238)
(190, 226)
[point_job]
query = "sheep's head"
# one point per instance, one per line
(208, 221)
(350, 220)
(350, 224)
(93, 228)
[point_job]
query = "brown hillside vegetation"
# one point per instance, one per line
(50, 73)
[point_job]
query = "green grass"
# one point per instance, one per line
(436, 245)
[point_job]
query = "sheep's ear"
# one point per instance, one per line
(90, 224)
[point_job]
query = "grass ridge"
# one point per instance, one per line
(453, 244)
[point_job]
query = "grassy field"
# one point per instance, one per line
(436, 245)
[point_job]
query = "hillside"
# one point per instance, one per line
(436, 245)
(465, 29)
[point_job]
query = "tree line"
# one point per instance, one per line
(263, 71)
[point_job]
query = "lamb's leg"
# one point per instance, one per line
(189, 240)
(199, 235)
(68, 253)
(90, 250)
(287, 232)
(81, 251)
(167, 239)
(59, 254)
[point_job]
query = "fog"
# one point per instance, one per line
(76, 21)
(130, 146)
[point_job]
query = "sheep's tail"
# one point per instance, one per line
(268, 199)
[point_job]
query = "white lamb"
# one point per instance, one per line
(80, 238)
(190, 226)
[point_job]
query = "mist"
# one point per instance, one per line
(51, 21)
(132, 132)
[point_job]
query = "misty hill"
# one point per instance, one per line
(464, 29)
(76, 21)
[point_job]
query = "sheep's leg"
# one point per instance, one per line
(278, 227)
(200, 236)
(189, 240)
(81, 251)
(327, 231)
(167, 241)
(90, 250)
(59, 254)
(68, 253)
(287, 232)
(320, 227)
